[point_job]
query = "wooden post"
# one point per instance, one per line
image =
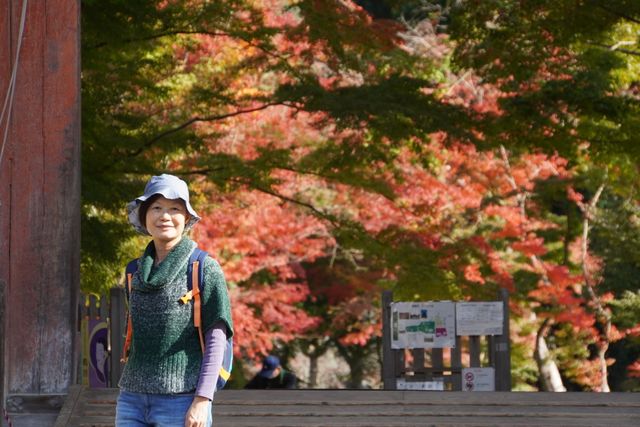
(502, 348)
(474, 351)
(117, 333)
(456, 365)
(437, 364)
(40, 198)
(388, 359)
(5, 175)
(418, 362)
(3, 286)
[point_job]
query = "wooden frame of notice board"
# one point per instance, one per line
(446, 345)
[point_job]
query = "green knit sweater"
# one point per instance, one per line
(165, 353)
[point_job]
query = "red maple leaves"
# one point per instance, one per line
(475, 209)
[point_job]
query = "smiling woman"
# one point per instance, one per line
(168, 379)
(165, 220)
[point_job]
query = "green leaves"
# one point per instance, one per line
(564, 68)
(396, 108)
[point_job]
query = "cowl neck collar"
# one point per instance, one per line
(152, 277)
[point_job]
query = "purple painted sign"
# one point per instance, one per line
(98, 354)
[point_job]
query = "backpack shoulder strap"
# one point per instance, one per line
(131, 269)
(196, 260)
(195, 279)
(195, 284)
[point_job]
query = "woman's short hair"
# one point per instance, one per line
(144, 207)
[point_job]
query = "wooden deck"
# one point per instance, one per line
(377, 408)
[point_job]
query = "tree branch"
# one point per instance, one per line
(188, 123)
(616, 13)
(521, 198)
(165, 34)
(615, 48)
(196, 32)
(548, 371)
(602, 315)
(309, 206)
(212, 118)
(248, 41)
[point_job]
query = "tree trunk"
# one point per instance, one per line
(356, 376)
(603, 317)
(355, 357)
(550, 379)
(313, 370)
(314, 350)
(602, 351)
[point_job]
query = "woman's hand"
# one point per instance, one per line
(198, 413)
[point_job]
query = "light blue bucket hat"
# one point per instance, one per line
(169, 186)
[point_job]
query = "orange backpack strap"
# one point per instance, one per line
(195, 284)
(195, 279)
(197, 318)
(131, 269)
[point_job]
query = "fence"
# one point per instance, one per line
(102, 329)
(101, 325)
(443, 368)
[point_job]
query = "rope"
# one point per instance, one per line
(8, 99)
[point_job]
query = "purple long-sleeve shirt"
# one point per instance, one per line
(214, 339)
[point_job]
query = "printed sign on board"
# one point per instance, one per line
(423, 325)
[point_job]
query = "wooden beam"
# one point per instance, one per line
(5, 180)
(40, 196)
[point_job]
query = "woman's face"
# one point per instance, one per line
(166, 219)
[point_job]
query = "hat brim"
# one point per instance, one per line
(133, 209)
(266, 373)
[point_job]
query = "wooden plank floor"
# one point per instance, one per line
(378, 408)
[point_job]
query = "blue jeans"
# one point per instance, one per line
(153, 410)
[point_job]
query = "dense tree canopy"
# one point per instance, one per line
(335, 148)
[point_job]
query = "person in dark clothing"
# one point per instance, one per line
(272, 375)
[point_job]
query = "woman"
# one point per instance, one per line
(168, 380)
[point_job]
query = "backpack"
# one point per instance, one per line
(195, 274)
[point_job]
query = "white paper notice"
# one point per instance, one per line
(479, 318)
(478, 379)
(435, 385)
(423, 325)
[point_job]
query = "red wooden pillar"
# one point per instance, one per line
(39, 200)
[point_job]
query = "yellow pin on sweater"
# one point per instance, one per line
(186, 297)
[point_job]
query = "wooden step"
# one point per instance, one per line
(379, 408)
